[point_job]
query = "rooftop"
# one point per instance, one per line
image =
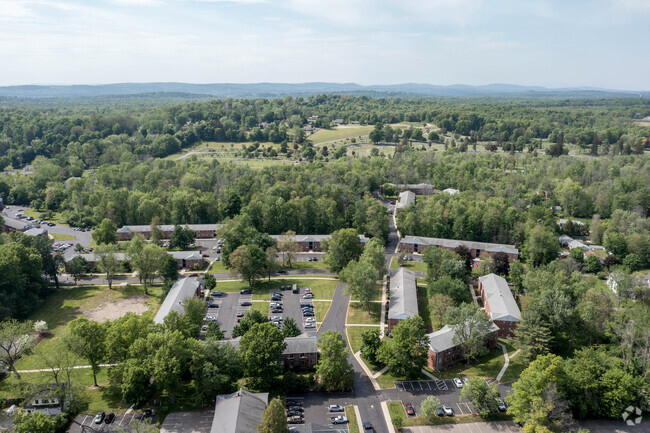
(181, 290)
(239, 412)
(443, 339)
(453, 243)
(406, 198)
(403, 295)
(499, 297)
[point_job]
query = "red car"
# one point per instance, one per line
(409, 409)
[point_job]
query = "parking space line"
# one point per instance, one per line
(84, 421)
(420, 383)
(429, 385)
(460, 409)
(122, 420)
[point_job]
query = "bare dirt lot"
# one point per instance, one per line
(116, 309)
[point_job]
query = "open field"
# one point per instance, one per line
(339, 133)
(62, 237)
(487, 366)
(413, 266)
(95, 302)
(360, 316)
(305, 265)
(354, 336)
(320, 309)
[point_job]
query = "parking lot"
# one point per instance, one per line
(291, 304)
(226, 314)
(86, 423)
(316, 412)
(474, 427)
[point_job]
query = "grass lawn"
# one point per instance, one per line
(376, 296)
(423, 306)
(320, 309)
(62, 237)
(323, 135)
(305, 265)
(413, 266)
(71, 302)
(353, 423)
(358, 315)
(488, 365)
(56, 216)
(218, 268)
(514, 370)
(262, 307)
(322, 289)
(354, 335)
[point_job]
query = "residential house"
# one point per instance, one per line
(42, 398)
(562, 222)
(314, 242)
(184, 288)
(403, 301)
(479, 250)
(499, 304)
(451, 191)
(41, 231)
(406, 199)
(202, 231)
(443, 352)
(337, 121)
(301, 352)
(12, 225)
(239, 412)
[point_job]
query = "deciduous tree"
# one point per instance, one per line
(406, 353)
(274, 419)
(261, 348)
(15, 341)
(334, 370)
(105, 233)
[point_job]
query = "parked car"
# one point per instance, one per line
(293, 403)
(307, 296)
(308, 313)
(409, 409)
(282, 271)
(109, 418)
(502, 405)
(240, 314)
(276, 319)
(246, 304)
(99, 417)
(294, 420)
(310, 325)
(465, 380)
(148, 413)
(340, 419)
(367, 426)
(204, 328)
(216, 294)
(440, 411)
(297, 408)
(295, 290)
(335, 408)
(246, 292)
(277, 310)
(448, 411)
(293, 413)
(213, 305)
(458, 382)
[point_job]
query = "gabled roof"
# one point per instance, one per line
(499, 297)
(406, 198)
(314, 238)
(303, 343)
(403, 301)
(168, 228)
(453, 243)
(239, 412)
(15, 224)
(443, 339)
(36, 232)
(181, 290)
(578, 244)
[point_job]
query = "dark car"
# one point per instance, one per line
(308, 313)
(99, 417)
(282, 271)
(294, 413)
(293, 403)
(148, 413)
(409, 409)
(216, 294)
(367, 426)
(246, 292)
(109, 418)
(296, 291)
(246, 304)
(296, 408)
(213, 306)
(240, 314)
(440, 411)
(277, 311)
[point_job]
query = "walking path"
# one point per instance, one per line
(44, 370)
(429, 375)
(474, 297)
(389, 422)
(507, 363)
(358, 415)
(382, 322)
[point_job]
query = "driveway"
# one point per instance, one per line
(86, 423)
(188, 422)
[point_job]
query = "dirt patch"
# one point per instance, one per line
(116, 309)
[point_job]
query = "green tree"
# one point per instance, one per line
(500, 263)
(181, 238)
(250, 318)
(577, 254)
(615, 243)
(248, 261)
(167, 268)
(152, 256)
(533, 336)
(15, 341)
(288, 247)
(406, 353)
(87, 339)
(270, 261)
(107, 262)
(215, 367)
(592, 264)
(333, 368)
(438, 305)
(374, 254)
(210, 282)
(429, 407)
(105, 233)
(471, 328)
(135, 253)
(77, 267)
(541, 246)
(483, 396)
(290, 328)
(632, 262)
(37, 422)
(370, 344)
(456, 289)
(261, 348)
(343, 247)
(123, 332)
(274, 419)
(362, 281)
(156, 233)
(214, 332)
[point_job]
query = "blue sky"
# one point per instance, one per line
(601, 43)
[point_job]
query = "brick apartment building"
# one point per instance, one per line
(499, 303)
(479, 250)
(403, 302)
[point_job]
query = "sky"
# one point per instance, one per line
(551, 43)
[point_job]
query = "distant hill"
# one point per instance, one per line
(271, 90)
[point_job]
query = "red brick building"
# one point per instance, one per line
(300, 354)
(479, 250)
(443, 352)
(313, 243)
(202, 231)
(499, 303)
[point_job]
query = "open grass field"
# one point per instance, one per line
(487, 366)
(353, 424)
(423, 307)
(322, 289)
(71, 302)
(354, 336)
(218, 268)
(413, 266)
(306, 265)
(339, 133)
(262, 307)
(62, 237)
(360, 316)
(376, 296)
(321, 308)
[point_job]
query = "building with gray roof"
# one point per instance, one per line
(406, 199)
(313, 242)
(403, 302)
(41, 231)
(239, 412)
(300, 353)
(499, 303)
(443, 352)
(482, 250)
(185, 288)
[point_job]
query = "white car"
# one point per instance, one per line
(458, 382)
(310, 325)
(335, 408)
(310, 320)
(448, 411)
(276, 319)
(307, 296)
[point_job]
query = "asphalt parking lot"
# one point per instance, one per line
(227, 311)
(316, 411)
(475, 427)
(86, 423)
